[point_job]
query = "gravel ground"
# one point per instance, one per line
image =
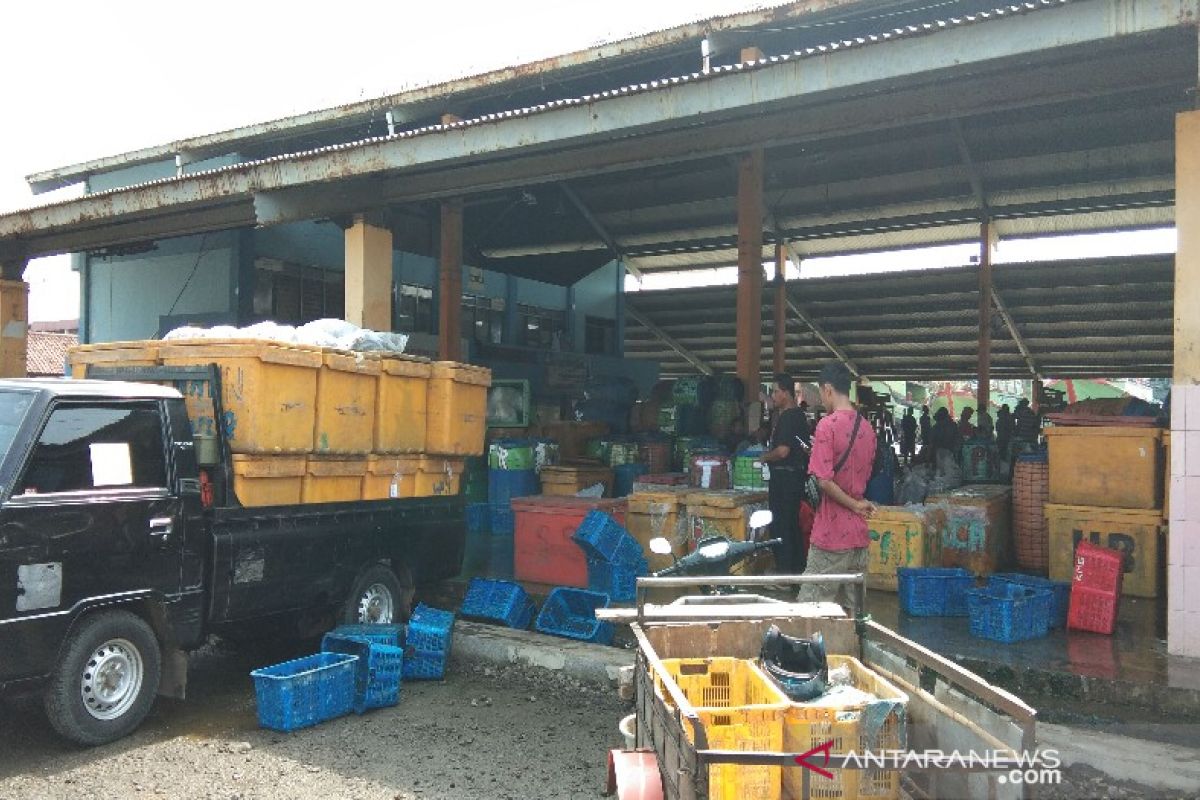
(483, 733)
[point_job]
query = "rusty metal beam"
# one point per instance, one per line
(984, 387)
(822, 336)
(780, 344)
(609, 241)
(973, 177)
(1011, 324)
(750, 270)
(667, 339)
(450, 288)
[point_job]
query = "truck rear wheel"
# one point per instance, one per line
(377, 597)
(107, 679)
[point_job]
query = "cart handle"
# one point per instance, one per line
(856, 579)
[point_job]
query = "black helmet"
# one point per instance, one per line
(798, 665)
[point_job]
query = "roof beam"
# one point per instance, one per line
(1011, 324)
(964, 152)
(822, 336)
(598, 227)
(667, 339)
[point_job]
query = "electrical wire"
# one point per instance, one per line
(192, 274)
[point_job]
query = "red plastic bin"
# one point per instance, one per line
(1095, 588)
(543, 551)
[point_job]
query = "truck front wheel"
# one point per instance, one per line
(376, 598)
(107, 679)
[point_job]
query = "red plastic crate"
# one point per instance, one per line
(1095, 589)
(543, 551)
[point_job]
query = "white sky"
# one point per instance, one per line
(85, 80)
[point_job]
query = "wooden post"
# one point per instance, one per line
(781, 309)
(983, 395)
(750, 270)
(450, 281)
(368, 278)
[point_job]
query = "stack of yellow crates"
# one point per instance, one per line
(315, 425)
(1106, 486)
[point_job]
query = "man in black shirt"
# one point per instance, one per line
(787, 460)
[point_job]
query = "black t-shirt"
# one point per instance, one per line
(792, 430)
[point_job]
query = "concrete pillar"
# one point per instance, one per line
(781, 310)
(750, 271)
(369, 275)
(450, 281)
(1183, 551)
(14, 318)
(983, 393)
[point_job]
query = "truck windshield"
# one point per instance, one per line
(13, 408)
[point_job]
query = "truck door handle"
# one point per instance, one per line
(161, 528)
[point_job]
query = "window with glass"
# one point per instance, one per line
(86, 447)
(295, 294)
(483, 319)
(412, 309)
(600, 336)
(542, 328)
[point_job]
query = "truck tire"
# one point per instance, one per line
(107, 679)
(377, 596)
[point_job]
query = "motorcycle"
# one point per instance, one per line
(716, 555)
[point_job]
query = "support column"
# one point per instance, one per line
(450, 292)
(750, 271)
(511, 317)
(983, 394)
(369, 274)
(1183, 551)
(14, 319)
(781, 309)
(619, 312)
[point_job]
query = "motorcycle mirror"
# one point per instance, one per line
(761, 518)
(715, 550)
(660, 546)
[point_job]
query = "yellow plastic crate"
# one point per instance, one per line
(439, 476)
(456, 405)
(741, 709)
(268, 480)
(330, 479)
(384, 470)
(112, 354)
(401, 405)
(269, 392)
(345, 418)
(900, 537)
(812, 724)
(1116, 467)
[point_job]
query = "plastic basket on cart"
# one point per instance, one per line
(499, 601)
(603, 538)
(618, 581)
(391, 635)
(1009, 612)
(377, 673)
(1095, 588)
(572, 613)
(1060, 592)
(934, 591)
(304, 691)
(428, 645)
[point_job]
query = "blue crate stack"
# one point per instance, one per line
(614, 558)
(505, 602)
(378, 671)
(391, 635)
(934, 591)
(503, 486)
(428, 645)
(571, 613)
(305, 691)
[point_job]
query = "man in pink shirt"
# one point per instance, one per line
(842, 456)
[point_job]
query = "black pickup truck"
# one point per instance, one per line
(117, 557)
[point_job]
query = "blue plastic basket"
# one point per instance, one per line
(618, 581)
(377, 674)
(390, 635)
(503, 521)
(572, 613)
(501, 601)
(1009, 612)
(934, 591)
(1060, 592)
(428, 647)
(479, 517)
(604, 539)
(304, 691)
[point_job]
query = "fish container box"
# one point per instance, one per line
(722, 513)
(268, 392)
(391, 477)
(401, 404)
(268, 480)
(456, 409)
(439, 476)
(332, 479)
(571, 479)
(347, 384)
(543, 548)
(1136, 535)
(1115, 467)
(505, 484)
(980, 462)
(900, 537)
(661, 513)
(974, 527)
